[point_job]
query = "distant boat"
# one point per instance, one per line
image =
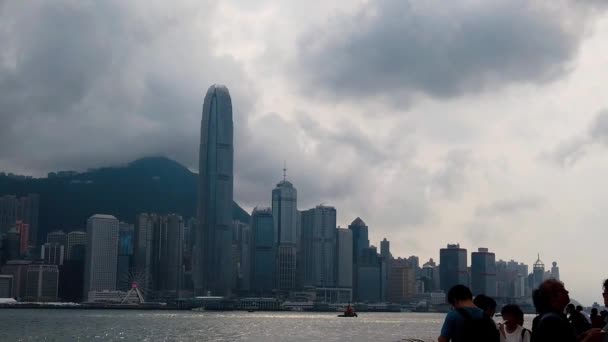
(349, 315)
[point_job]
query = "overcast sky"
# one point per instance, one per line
(478, 122)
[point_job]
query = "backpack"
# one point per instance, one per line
(523, 334)
(478, 330)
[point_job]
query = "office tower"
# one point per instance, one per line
(188, 245)
(318, 241)
(101, 254)
(538, 273)
(241, 255)
(483, 272)
(8, 213)
(554, 271)
(427, 277)
(52, 253)
(24, 232)
(385, 249)
(12, 244)
(76, 241)
(28, 211)
(126, 237)
(6, 286)
(370, 276)
(144, 238)
(212, 271)
(360, 243)
(167, 256)
(17, 269)
(453, 267)
(263, 252)
(42, 283)
(58, 237)
(344, 263)
(401, 281)
(285, 215)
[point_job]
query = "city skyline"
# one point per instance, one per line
(445, 135)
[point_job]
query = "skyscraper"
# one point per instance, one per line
(8, 213)
(126, 233)
(101, 254)
(538, 273)
(213, 259)
(144, 236)
(483, 272)
(168, 255)
(319, 246)
(263, 251)
(42, 283)
(52, 253)
(453, 267)
(360, 243)
(344, 256)
(285, 216)
(58, 237)
(401, 281)
(77, 241)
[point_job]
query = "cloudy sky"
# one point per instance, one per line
(478, 122)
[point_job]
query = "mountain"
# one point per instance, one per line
(153, 184)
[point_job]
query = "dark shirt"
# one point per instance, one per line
(553, 327)
(453, 326)
(579, 322)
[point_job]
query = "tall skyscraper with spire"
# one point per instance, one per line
(285, 216)
(212, 255)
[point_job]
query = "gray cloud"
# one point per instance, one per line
(569, 152)
(508, 207)
(396, 48)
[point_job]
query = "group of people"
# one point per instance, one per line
(558, 320)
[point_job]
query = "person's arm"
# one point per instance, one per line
(447, 330)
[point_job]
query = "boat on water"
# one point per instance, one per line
(349, 312)
(354, 314)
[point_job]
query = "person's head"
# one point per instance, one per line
(458, 295)
(485, 303)
(570, 308)
(593, 312)
(605, 293)
(579, 308)
(512, 315)
(550, 296)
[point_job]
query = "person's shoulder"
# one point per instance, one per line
(474, 312)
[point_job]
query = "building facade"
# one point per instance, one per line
(483, 272)
(213, 259)
(401, 281)
(77, 242)
(318, 234)
(101, 254)
(6, 286)
(453, 267)
(42, 283)
(263, 252)
(285, 216)
(52, 253)
(344, 258)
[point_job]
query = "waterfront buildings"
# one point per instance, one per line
(285, 216)
(263, 252)
(483, 272)
(42, 283)
(52, 253)
(344, 258)
(6, 286)
(452, 267)
(319, 246)
(101, 254)
(18, 270)
(401, 281)
(213, 260)
(76, 241)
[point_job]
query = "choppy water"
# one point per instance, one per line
(123, 325)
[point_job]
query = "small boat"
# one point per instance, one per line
(251, 310)
(349, 315)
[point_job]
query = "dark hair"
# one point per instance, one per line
(459, 292)
(484, 302)
(593, 312)
(579, 308)
(606, 285)
(512, 309)
(544, 294)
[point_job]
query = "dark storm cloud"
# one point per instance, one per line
(86, 84)
(396, 48)
(569, 152)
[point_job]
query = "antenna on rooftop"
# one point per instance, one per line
(284, 170)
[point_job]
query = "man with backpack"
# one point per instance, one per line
(466, 322)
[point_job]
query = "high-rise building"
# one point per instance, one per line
(263, 251)
(241, 241)
(60, 238)
(319, 246)
(144, 237)
(213, 259)
(401, 281)
(360, 243)
(17, 269)
(12, 244)
(385, 253)
(6, 286)
(101, 254)
(538, 273)
(344, 256)
(483, 272)
(370, 276)
(385, 249)
(77, 242)
(554, 271)
(27, 211)
(453, 267)
(42, 283)
(52, 253)
(285, 216)
(8, 213)
(126, 237)
(167, 256)
(24, 233)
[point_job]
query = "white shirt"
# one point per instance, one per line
(515, 336)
